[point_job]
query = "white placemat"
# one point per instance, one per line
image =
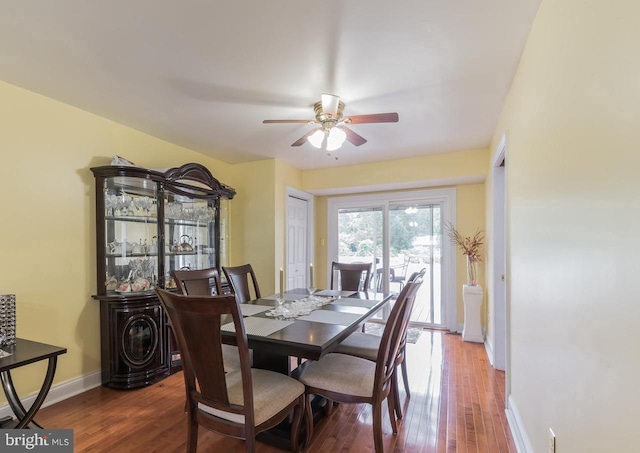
(356, 302)
(335, 293)
(259, 326)
(250, 309)
(331, 317)
(287, 297)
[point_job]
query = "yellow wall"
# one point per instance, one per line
(253, 220)
(320, 245)
(573, 212)
(470, 217)
(47, 233)
(258, 218)
(426, 169)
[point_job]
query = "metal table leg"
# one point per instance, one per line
(25, 418)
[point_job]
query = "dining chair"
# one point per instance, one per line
(399, 274)
(349, 379)
(238, 278)
(350, 276)
(204, 282)
(241, 403)
(366, 346)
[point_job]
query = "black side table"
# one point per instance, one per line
(23, 353)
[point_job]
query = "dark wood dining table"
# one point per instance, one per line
(309, 339)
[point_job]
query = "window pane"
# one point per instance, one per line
(415, 243)
(360, 237)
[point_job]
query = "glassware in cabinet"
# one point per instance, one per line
(130, 229)
(150, 223)
(190, 231)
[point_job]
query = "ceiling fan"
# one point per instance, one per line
(333, 130)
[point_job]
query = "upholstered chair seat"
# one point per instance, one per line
(360, 344)
(268, 387)
(341, 373)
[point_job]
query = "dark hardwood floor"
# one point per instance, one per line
(456, 405)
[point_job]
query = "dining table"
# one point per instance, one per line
(277, 338)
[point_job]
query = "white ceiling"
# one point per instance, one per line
(204, 74)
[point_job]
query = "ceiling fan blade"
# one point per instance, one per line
(373, 118)
(330, 104)
(287, 121)
(302, 140)
(354, 138)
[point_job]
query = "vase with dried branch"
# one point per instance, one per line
(470, 247)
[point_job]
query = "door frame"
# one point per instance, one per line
(445, 196)
(498, 351)
(292, 192)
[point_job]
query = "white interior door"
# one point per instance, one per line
(297, 242)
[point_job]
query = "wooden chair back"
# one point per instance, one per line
(350, 276)
(197, 325)
(415, 274)
(203, 282)
(392, 337)
(416, 277)
(238, 277)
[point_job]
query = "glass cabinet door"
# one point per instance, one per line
(130, 230)
(189, 233)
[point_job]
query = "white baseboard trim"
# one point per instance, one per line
(518, 432)
(488, 346)
(60, 392)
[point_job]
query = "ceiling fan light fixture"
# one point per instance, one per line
(316, 138)
(333, 131)
(335, 139)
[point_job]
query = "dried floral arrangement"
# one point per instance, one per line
(469, 245)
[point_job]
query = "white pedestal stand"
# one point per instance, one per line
(472, 298)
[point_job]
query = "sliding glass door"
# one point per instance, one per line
(399, 234)
(415, 238)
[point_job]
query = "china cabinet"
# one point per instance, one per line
(148, 224)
